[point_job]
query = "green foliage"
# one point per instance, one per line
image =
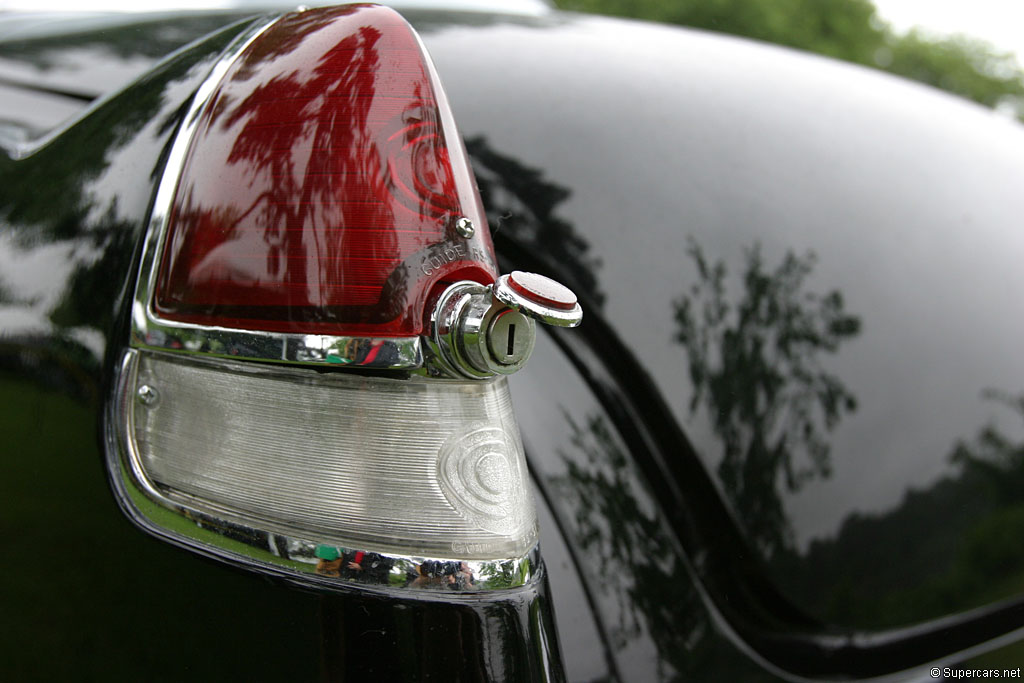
(844, 29)
(839, 28)
(961, 65)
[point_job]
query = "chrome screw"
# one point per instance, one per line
(464, 227)
(147, 395)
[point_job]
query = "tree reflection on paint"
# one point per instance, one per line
(632, 562)
(756, 369)
(944, 549)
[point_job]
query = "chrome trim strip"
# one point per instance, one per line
(301, 560)
(149, 330)
(385, 353)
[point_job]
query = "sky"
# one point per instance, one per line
(527, 6)
(1000, 22)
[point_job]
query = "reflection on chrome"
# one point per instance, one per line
(309, 349)
(327, 564)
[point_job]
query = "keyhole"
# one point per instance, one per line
(503, 346)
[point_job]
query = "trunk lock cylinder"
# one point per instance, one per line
(481, 332)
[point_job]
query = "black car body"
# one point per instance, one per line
(785, 443)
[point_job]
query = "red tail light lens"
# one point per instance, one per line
(329, 194)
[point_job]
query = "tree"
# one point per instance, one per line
(961, 65)
(845, 29)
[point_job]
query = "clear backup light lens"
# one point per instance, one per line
(410, 467)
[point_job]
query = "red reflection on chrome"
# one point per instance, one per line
(320, 191)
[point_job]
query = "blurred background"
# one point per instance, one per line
(969, 49)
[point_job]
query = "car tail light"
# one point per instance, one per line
(326, 188)
(318, 210)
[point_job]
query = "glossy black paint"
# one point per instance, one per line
(621, 180)
(52, 67)
(653, 615)
(861, 235)
(508, 638)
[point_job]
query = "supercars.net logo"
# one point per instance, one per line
(955, 674)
